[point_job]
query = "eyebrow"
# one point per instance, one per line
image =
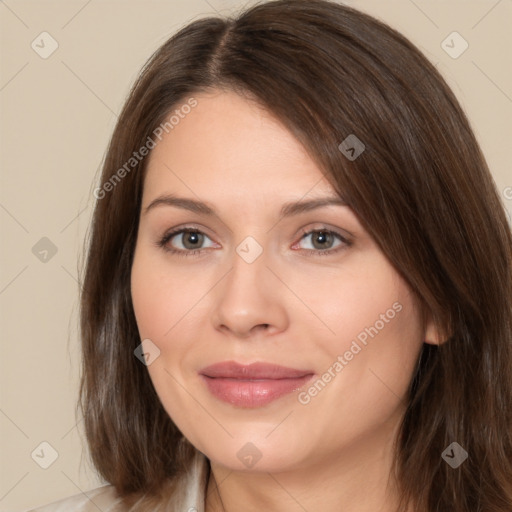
(287, 210)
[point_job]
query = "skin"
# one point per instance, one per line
(335, 450)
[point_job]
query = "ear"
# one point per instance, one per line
(433, 335)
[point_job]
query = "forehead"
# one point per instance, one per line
(229, 145)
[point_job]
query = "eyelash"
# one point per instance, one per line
(162, 243)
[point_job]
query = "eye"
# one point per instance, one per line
(322, 240)
(190, 240)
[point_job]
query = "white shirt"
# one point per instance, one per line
(189, 498)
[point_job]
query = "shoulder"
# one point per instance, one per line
(102, 498)
(186, 493)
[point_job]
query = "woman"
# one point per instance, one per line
(299, 280)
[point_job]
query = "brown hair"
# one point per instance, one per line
(421, 188)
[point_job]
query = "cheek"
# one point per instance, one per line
(373, 325)
(378, 337)
(170, 311)
(150, 303)
(159, 298)
(362, 296)
(160, 313)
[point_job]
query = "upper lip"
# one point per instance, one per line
(259, 370)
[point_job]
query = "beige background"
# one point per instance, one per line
(57, 116)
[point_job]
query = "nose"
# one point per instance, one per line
(250, 300)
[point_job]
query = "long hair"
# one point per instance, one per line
(421, 188)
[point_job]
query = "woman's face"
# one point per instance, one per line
(328, 303)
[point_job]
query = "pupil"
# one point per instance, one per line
(322, 237)
(193, 238)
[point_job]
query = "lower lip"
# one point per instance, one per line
(252, 393)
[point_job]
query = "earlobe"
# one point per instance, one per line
(433, 335)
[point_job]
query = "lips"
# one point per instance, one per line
(252, 385)
(233, 370)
